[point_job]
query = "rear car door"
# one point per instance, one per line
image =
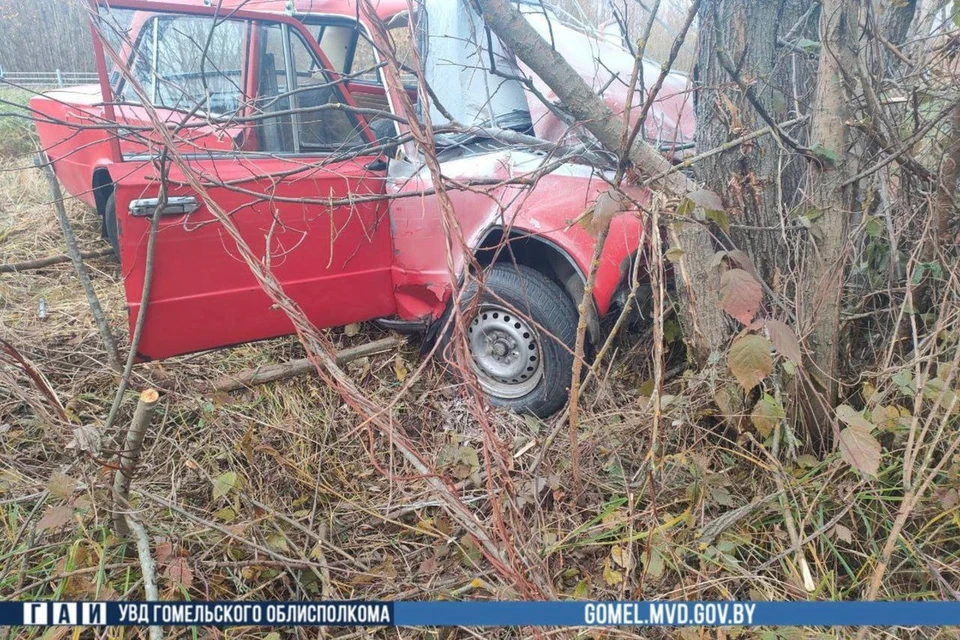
(265, 131)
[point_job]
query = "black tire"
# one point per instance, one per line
(110, 225)
(546, 312)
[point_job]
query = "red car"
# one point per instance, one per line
(281, 112)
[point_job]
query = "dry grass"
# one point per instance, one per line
(280, 493)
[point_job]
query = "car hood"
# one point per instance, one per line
(607, 68)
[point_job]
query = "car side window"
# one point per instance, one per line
(365, 68)
(190, 63)
(310, 112)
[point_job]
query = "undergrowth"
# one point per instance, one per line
(279, 492)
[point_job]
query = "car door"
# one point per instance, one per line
(300, 188)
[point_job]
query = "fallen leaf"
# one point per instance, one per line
(842, 533)
(654, 565)
(179, 571)
(400, 368)
(61, 486)
(278, 542)
(749, 360)
(740, 295)
(622, 557)
(224, 484)
(164, 551)
(226, 514)
(55, 517)
(352, 329)
(86, 439)
(610, 575)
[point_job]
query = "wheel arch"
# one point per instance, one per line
(541, 254)
(102, 186)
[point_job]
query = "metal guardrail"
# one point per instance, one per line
(46, 79)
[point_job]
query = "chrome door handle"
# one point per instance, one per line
(178, 206)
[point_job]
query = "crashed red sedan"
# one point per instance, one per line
(281, 112)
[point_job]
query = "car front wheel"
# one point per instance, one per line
(520, 330)
(110, 224)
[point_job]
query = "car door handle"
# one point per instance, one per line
(380, 164)
(177, 206)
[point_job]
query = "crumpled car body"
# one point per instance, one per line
(350, 234)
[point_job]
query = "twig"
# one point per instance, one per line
(109, 343)
(144, 296)
(282, 371)
(147, 566)
(40, 263)
(724, 58)
(130, 457)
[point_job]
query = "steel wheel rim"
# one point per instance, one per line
(505, 352)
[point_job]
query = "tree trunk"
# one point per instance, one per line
(704, 325)
(824, 266)
(758, 181)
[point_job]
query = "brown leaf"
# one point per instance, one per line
(55, 517)
(860, 450)
(61, 486)
(784, 340)
(743, 261)
(164, 551)
(706, 199)
(851, 417)
(179, 572)
(842, 533)
(740, 295)
(749, 360)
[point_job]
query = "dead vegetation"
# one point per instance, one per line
(281, 492)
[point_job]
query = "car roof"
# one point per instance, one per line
(386, 9)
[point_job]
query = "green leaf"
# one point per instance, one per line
(810, 46)
(750, 360)
(278, 542)
(905, 383)
(224, 484)
(719, 217)
(654, 565)
(674, 254)
(685, 208)
(827, 155)
(872, 226)
(226, 514)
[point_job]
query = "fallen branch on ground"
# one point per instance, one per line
(40, 263)
(274, 372)
(147, 566)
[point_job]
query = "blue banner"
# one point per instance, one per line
(480, 614)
